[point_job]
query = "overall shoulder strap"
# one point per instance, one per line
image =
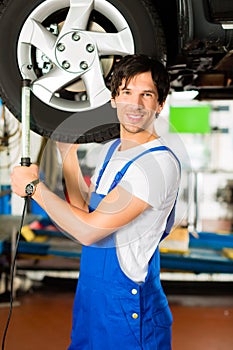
(122, 172)
(106, 160)
(153, 149)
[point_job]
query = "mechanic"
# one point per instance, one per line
(120, 219)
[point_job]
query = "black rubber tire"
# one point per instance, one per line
(96, 125)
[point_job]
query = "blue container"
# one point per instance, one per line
(36, 209)
(5, 201)
(211, 240)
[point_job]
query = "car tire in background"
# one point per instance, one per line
(68, 52)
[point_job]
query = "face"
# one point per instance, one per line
(137, 104)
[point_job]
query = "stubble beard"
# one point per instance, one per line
(136, 129)
(132, 129)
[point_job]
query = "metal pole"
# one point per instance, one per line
(25, 159)
(25, 120)
(192, 202)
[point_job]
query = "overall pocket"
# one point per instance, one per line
(163, 318)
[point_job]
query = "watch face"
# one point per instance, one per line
(29, 189)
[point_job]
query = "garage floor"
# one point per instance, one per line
(42, 320)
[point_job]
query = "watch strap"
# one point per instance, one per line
(35, 182)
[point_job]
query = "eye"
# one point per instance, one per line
(125, 92)
(147, 94)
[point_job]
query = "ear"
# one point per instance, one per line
(113, 103)
(160, 108)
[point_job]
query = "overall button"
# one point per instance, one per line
(135, 315)
(134, 291)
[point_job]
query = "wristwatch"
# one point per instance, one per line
(30, 188)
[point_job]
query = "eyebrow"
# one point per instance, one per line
(151, 91)
(143, 91)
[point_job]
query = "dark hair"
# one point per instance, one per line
(132, 65)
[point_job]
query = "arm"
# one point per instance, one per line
(76, 186)
(117, 209)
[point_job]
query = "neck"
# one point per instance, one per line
(130, 140)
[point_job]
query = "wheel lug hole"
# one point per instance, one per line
(90, 48)
(76, 36)
(65, 64)
(84, 65)
(61, 47)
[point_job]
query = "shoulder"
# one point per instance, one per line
(108, 145)
(104, 150)
(153, 176)
(154, 156)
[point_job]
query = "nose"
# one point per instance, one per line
(137, 101)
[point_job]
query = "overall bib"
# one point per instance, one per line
(112, 312)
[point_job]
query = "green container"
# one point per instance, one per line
(190, 119)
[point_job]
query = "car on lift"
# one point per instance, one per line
(68, 48)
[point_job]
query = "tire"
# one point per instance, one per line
(93, 123)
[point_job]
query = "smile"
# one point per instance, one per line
(134, 117)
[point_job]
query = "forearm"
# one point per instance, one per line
(117, 209)
(77, 189)
(78, 223)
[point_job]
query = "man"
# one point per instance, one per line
(120, 220)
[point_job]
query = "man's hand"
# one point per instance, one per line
(21, 176)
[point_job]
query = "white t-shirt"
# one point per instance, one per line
(154, 178)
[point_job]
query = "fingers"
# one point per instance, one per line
(21, 176)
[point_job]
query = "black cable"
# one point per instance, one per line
(12, 273)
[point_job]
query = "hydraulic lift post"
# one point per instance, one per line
(25, 120)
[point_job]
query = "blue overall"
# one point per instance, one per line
(112, 312)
